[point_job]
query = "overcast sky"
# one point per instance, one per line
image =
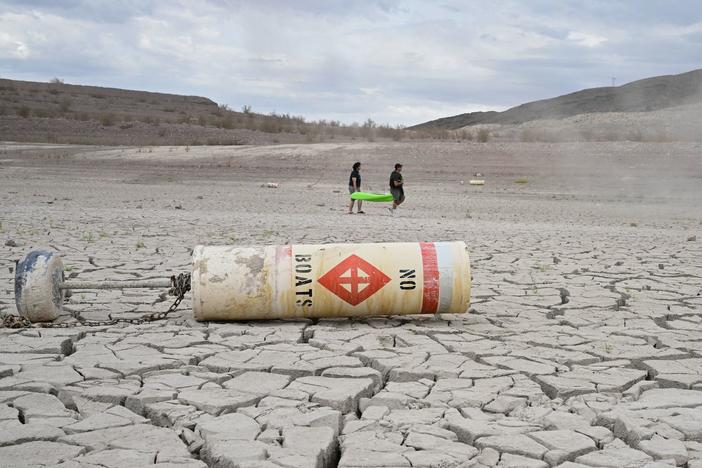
(400, 62)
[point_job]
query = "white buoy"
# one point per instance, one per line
(334, 280)
(37, 279)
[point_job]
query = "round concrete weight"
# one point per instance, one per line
(37, 280)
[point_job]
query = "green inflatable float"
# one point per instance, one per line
(373, 197)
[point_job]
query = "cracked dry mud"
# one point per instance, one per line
(582, 348)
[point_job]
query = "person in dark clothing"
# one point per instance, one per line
(396, 188)
(355, 186)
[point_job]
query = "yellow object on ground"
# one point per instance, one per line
(334, 280)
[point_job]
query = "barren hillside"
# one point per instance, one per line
(681, 123)
(63, 113)
(646, 95)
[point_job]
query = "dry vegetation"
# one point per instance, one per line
(56, 112)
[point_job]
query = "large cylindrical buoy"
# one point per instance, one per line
(333, 280)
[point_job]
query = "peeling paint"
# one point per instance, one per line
(272, 282)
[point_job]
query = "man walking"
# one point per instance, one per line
(396, 188)
(355, 186)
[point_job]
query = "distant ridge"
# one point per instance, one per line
(645, 95)
(45, 97)
(57, 112)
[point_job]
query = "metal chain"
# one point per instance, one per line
(180, 285)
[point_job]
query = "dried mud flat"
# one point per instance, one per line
(583, 346)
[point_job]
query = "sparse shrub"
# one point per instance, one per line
(56, 80)
(107, 119)
(310, 138)
(44, 113)
(23, 112)
(483, 135)
(368, 129)
(270, 125)
(65, 105)
(151, 120)
(202, 121)
(226, 121)
(521, 180)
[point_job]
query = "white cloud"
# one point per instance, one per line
(13, 48)
(585, 39)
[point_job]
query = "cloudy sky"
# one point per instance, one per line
(399, 62)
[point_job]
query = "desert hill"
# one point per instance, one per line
(647, 95)
(56, 98)
(56, 112)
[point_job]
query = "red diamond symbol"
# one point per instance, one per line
(354, 280)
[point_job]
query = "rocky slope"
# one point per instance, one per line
(646, 95)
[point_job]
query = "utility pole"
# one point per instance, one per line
(614, 80)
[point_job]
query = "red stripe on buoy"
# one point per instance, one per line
(430, 295)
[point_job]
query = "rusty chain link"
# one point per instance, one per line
(180, 285)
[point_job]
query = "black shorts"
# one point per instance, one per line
(398, 194)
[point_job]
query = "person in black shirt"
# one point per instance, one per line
(355, 186)
(396, 188)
